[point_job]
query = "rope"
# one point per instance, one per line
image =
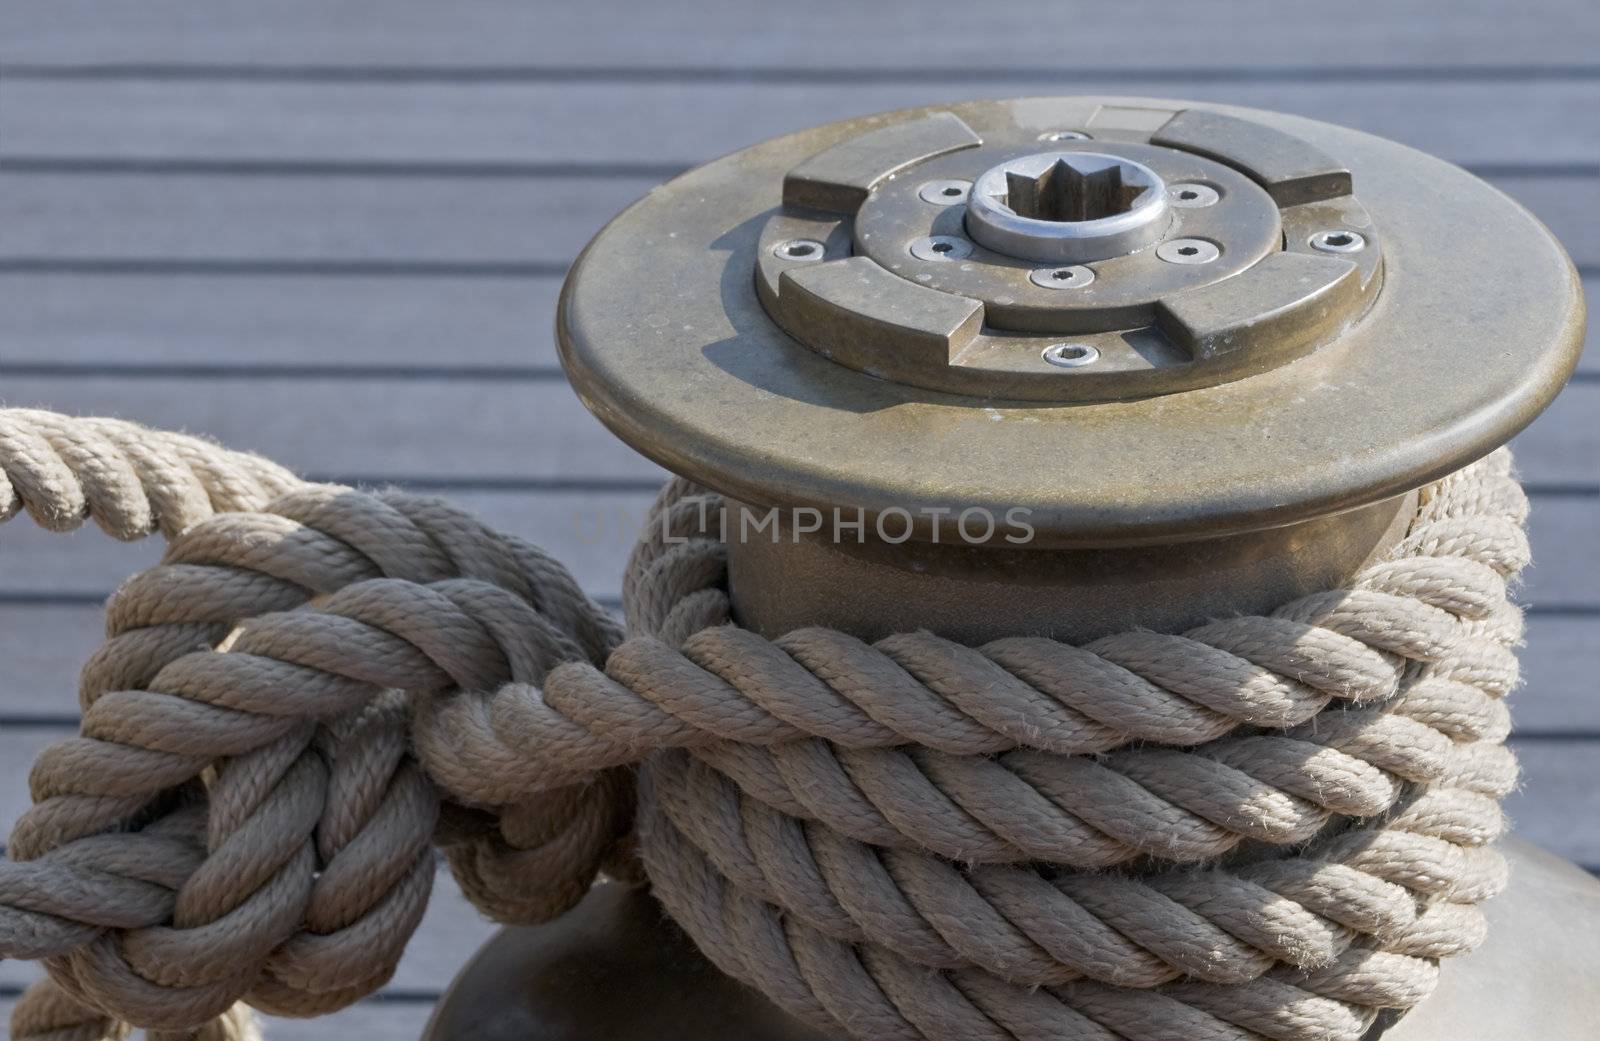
(1269, 826)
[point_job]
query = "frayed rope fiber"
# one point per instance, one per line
(1271, 826)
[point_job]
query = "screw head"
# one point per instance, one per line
(1192, 195)
(1074, 276)
(1064, 135)
(941, 247)
(944, 193)
(1188, 251)
(1338, 240)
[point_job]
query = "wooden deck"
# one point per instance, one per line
(334, 234)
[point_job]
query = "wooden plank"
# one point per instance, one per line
(501, 328)
(45, 647)
(1563, 444)
(18, 747)
(384, 429)
(520, 226)
(1566, 555)
(926, 39)
(1559, 664)
(1558, 804)
(1561, 202)
(504, 128)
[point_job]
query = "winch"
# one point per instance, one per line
(1061, 368)
(1177, 342)
(1083, 610)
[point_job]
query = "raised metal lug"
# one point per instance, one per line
(840, 178)
(1290, 169)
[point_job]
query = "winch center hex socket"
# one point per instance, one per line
(1068, 207)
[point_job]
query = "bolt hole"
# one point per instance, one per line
(1188, 251)
(1189, 194)
(940, 248)
(1339, 238)
(1062, 275)
(808, 250)
(1071, 355)
(951, 192)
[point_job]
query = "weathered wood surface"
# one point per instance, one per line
(508, 129)
(334, 234)
(1401, 40)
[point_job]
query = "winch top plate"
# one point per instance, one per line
(1346, 319)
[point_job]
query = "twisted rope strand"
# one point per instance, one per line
(1268, 826)
(315, 865)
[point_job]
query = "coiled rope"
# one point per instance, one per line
(1267, 827)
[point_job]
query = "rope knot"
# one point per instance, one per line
(1265, 826)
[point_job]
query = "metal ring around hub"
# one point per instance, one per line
(1067, 207)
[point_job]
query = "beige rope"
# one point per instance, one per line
(1265, 827)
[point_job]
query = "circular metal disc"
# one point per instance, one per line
(1478, 324)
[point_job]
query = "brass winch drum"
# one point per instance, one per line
(1056, 366)
(1065, 365)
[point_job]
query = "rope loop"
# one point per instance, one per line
(1266, 826)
